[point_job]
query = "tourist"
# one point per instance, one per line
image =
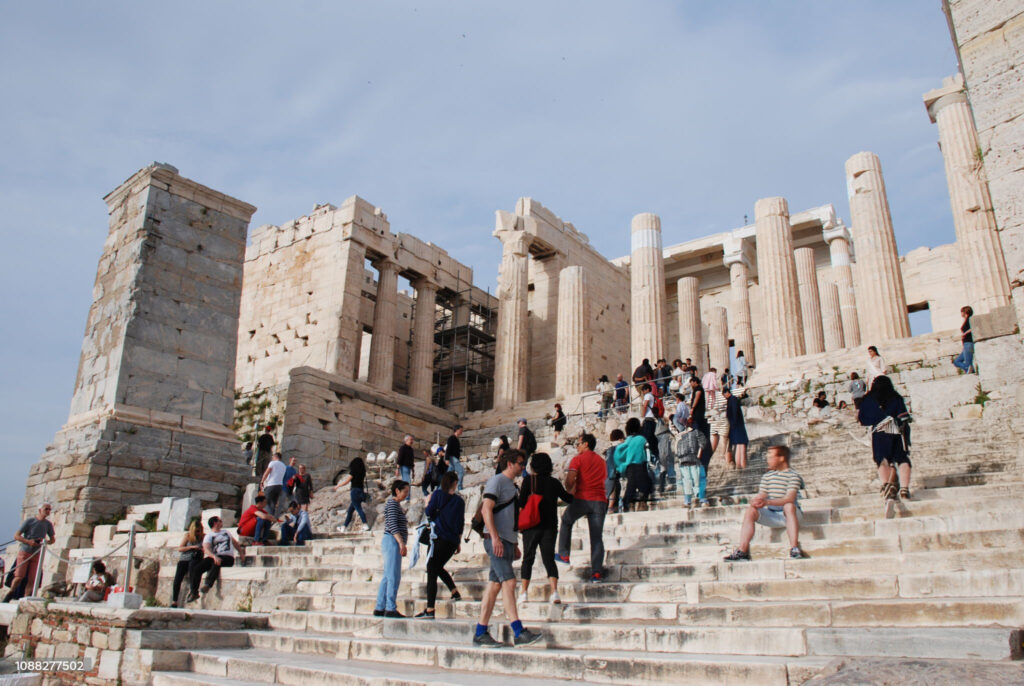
(247, 453)
(737, 428)
(585, 481)
(500, 540)
(648, 411)
(218, 551)
(681, 414)
(857, 389)
(272, 482)
(885, 412)
(621, 394)
(453, 453)
(631, 460)
(526, 442)
(739, 368)
(666, 458)
(607, 391)
(446, 512)
(393, 549)
(711, 386)
(687, 450)
(875, 366)
(643, 372)
(662, 375)
(256, 521)
(558, 423)
(542, 535)
(302, 487)
(31, 534)
(776, 505)
(290, 470)
(264, 448)
(97, 584)
(718, 423)
(678, 376)
(822, 399)
(612, 486)
(965, 360)
(431, 479)
(699, 422)
(295, 525)
(406, 461)
(190, 552)
(357, 478)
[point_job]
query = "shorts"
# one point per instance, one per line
(501, 567)
(774, 518)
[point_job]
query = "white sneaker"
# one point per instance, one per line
(342, 530)
(366, 527)
(522, 598)
(556, 599)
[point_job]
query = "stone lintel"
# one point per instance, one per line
(166, 176)
(952, 90)
(141, 416)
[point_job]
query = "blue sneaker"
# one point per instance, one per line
(564, 559)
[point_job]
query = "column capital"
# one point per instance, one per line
(835, 233)
(385, 264)
(516, 242)
(952, 91)
(424, 283)
(737, 250)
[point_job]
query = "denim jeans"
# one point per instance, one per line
(387, 592)
(290, 535)
(455, 465)
(262, 529)
(965, 360)
(691, 477)
(594, 511)
(406, 473)
(356, 505)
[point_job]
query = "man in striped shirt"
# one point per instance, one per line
(776, 505)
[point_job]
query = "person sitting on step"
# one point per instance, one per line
(776, 505)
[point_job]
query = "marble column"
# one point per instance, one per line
(981, 253)
(511, 353)
(421, 360)
(647, 289)
(691, 337)
(572, 361)
(881, 298)
(831, 316)
(718, 339)
(738, 259)
(382, 344)
(838, 239)
(776, 272)
(810, 303)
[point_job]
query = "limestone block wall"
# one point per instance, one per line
(933, 275)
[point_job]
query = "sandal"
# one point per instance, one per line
(904, 494)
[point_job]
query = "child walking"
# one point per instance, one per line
(396, 534)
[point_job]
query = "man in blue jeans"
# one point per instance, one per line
(295, 526)
(453, 451)
(585, 480)
(965, 360)
(406, 462)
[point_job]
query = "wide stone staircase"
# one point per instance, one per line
(941, 583)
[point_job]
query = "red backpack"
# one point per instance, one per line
(529, 516)
(658, 408)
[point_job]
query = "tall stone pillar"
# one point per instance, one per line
(421, 362)
(881, 299)
(647, 287)
(838, 239)
(776, 273)
(738, 254)
(572, 363)
(718, 339)
(981, 253)
(810, 304)
(511, 353)
(831, 317)
(382, 344)
(691, 337)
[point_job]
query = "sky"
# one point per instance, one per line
(440, 113)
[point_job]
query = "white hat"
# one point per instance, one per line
(434, 448)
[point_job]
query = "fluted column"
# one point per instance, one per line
(647, 288)
(512, 348)
(881, 298)
(810, 303)
(718, 339)
(572, 345)
(691, 337)
(421, 361)
(737, 259)
(838, 239)
(776, 273)
(981, 253)
(831, 317)
(382, 344)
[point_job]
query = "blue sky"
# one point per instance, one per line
(440, 113)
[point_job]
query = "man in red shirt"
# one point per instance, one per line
(256, 521)
(585, 481)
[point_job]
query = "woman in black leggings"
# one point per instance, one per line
(446, 511)
(544, 535)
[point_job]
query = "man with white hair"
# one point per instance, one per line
(406, 462)
(30, 535)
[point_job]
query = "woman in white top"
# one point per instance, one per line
(710, 385)
(875, 366)
(739, 368)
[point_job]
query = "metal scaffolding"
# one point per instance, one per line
(464, 342)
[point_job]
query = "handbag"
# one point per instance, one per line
(529, 516)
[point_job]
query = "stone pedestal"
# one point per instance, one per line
(881, 299)
(512, 347)
(421, 362)
(838, 239)
(718, 339)
(738, 258)
(691, 337)
(776, 272)
(572, 366)
(382, 344)
(981, 254)
(810, 304)
(647, 290)
(831, 319)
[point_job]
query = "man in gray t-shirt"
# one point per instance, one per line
(30, 535)
(501, 489)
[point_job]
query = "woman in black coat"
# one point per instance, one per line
(883, 409)
(545, 534)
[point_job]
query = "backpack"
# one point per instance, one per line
(658, 408)
(529, 443)
(477, 523)
(529, 516)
